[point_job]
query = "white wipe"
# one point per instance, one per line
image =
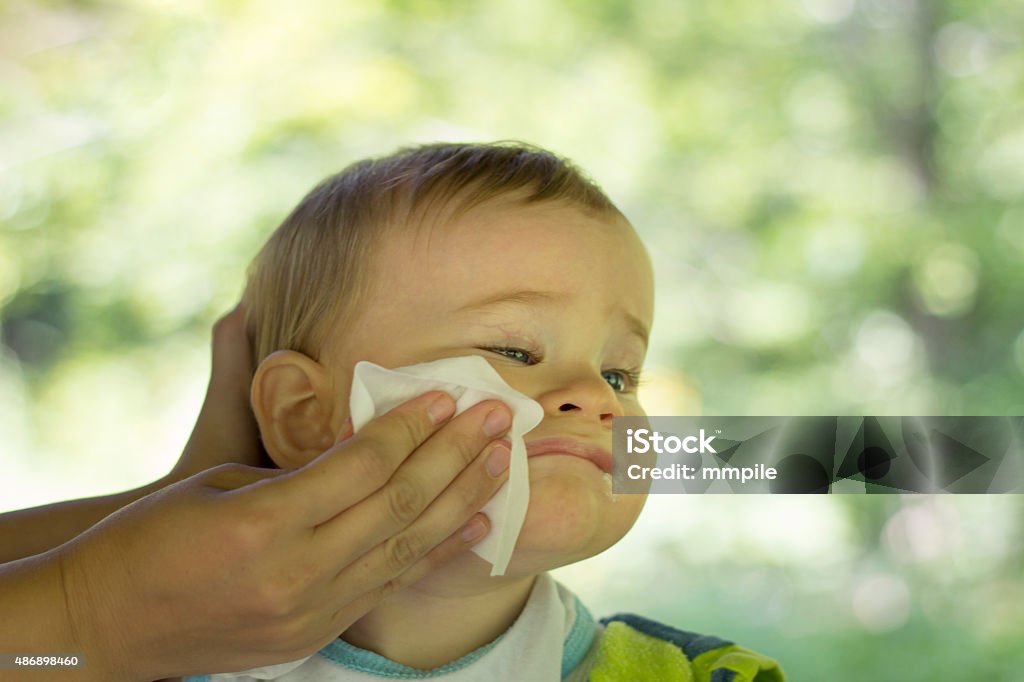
(469, 380)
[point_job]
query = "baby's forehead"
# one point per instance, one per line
(440, 223)
(515, 247)
(514, 235)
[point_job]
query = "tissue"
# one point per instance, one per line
(469, 380)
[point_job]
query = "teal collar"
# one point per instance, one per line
(340, 652)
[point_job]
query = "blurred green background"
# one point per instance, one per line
(831, 191)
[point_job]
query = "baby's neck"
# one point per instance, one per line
(424, 627)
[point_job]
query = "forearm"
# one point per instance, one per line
(27, 532)
(34, 621)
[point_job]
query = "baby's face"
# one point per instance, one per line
(560, 302)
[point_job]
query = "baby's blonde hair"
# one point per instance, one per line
(312, 272)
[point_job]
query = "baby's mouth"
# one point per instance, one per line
(598, 456)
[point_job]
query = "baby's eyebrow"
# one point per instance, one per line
(637, 327)
(522, 297)
(529, 296)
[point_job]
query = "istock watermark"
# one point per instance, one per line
(639, 441)
(908, 454)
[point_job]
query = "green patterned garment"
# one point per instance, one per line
(635, 649)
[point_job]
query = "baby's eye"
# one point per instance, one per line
(616, 380)
(621, 380)
(526, 357)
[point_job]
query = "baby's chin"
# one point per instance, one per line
(572, 516)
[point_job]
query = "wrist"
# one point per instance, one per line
(98, 624)
(35, 619)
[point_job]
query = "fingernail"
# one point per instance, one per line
(498, 460)
(346, 430)
(442, 408)
(498, 420)
(473, 530)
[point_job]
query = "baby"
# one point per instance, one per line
(506, 252)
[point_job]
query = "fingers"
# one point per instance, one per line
(437, 468)
(397, 552)
(231, 375)
(356, 468)
(365, 579)
(226, 430)
(232, 353)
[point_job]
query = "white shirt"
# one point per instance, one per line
(530, 650)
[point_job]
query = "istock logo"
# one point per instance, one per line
(646, 440)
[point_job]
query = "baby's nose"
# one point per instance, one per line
(591, 398)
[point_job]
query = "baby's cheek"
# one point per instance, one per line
(631, 407)
(562, 517)
(570, 518)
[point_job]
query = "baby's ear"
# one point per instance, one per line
(291, 398)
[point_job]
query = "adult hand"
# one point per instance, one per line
(226, 429)
(239, 567)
